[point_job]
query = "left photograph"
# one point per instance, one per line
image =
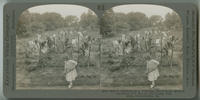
(58, 47)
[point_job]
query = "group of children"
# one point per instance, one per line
(151, 71)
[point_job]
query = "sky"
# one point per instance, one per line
(149, 10)
(64, 10)
(75, 10)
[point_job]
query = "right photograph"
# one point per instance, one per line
(141, 48)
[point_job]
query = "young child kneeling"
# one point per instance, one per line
(70, 71)
(152, 71)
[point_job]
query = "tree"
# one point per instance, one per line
(173, 21)
(120, 23)
(24, 19)
(36, 24)
(107, 22)
(137, 20)
(155, 20)
(52, 21)
(89, 20)
(30, 23)
(71, 21)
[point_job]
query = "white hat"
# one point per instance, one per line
(73, 62)
(155, 62)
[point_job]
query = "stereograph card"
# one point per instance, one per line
(100, 49)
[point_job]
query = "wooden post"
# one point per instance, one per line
(89, 48)
(161, 45)
(100, 61)
(99, 52)
(64, 47)
(145, 42)
(40, 55)
(171, 58)
(172, 52)
(72, 53)
(78, 51)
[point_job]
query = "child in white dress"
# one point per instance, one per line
(70, 71)
(152, 71)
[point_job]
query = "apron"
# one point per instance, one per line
(70, 70)
(152, 68)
